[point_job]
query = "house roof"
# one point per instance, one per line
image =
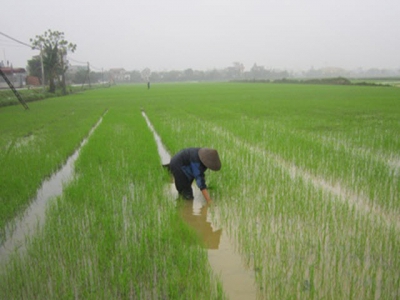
(117, 70)
(8, 70)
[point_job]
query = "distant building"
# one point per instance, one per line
(17, 76)
(119, 75)
(32, 81)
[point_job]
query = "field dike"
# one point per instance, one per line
(237, 279)
(19, 231)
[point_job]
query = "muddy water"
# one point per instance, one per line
(238, 281)
(33, 218)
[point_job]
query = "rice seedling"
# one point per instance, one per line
(308, 193)
(237, 280)
(112, 234)
(35, 143)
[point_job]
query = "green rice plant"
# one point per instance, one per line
(35, 143)
(308, 191)
(114, 234)
(316, 216)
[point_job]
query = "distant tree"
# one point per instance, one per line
(146, 74)
(239, 67)
(212, 75)
(136, 76)
(234, 72)
(173, 76)
(258, 72)
(54, 49)
(80, 76)
(96, 76)
(197, 75)
(188, 74)
(34, 67)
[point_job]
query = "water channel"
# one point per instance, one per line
(17, 233)
(238, 281)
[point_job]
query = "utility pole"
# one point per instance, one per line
(14, 90)
(30, 46)
(41, 64)
(87, 75)
(63, 53)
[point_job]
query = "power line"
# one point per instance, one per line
(32, 47)
(15, 40)
(84, 63)
(98, 69)
(76, 61)
(7, 42)
(10, 45)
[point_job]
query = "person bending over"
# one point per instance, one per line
(190, 164)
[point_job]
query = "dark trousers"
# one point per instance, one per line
(182, 184)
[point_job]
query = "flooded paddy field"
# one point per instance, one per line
(306, 204)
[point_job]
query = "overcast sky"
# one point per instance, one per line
(207, 34)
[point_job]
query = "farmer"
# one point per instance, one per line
(190, 164)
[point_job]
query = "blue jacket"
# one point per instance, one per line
(188, 161)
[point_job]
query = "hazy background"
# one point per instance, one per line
(207, 34)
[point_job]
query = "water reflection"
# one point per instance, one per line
(238, 280)
(197, 219)
(34, 217)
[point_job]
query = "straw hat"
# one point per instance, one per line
(210, 158)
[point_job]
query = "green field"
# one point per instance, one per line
(309, 191)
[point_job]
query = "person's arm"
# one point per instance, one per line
(206, 196)
(200, 181)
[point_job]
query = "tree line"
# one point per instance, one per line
(231, 73)
(52, 66)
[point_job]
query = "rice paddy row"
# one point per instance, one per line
(309, 191)
(112, 235)
(314, 209)
(35, 143)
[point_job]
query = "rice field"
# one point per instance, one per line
(308, 191)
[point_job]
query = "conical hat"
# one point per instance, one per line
(210, 158)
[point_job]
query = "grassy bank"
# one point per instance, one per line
(7, 96)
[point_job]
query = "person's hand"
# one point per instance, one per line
(206, 195)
